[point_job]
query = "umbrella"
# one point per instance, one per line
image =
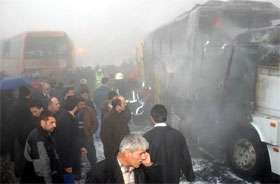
(14, 82)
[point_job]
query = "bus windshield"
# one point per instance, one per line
(46, 47)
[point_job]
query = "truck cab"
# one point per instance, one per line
(256, 149)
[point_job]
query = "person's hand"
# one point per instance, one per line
(84, 151)
(68, 170)
(146, 159)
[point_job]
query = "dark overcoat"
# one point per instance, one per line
(109, 171)
(114, 128)
(169, 149)
(68, 142)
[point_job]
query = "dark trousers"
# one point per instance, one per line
(91, 152)
(29, 175)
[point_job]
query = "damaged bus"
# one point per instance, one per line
(217, 68)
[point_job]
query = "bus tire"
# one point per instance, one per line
(247, 155)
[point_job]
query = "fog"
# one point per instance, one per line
(108, 30)
(204, 65)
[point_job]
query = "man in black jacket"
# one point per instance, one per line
(22, 124)
(131, 165)
(68, 143)
(42, 163)
(168, 148)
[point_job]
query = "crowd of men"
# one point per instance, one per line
(51, 130)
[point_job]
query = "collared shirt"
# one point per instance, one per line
(128, 174)
(162, 124)
(46, 95)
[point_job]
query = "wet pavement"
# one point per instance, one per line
(208, 171)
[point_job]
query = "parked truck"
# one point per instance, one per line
(217, 67)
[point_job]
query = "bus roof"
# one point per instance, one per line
(38, 34)
(44, 33)
(235, 8)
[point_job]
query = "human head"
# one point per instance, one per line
(159, 113)
(47, 121)
(85, 94)
(99, 70)
(70, 91)
(24, 92)
(82, 103)
(119, 76)
(112, 94)
(133, 149)
(71, 103)
(53, 105)
(36, 108)
(104, 80)
(119, 103)
(45, 87)
(83, 81)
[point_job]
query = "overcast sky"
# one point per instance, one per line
(108, 29)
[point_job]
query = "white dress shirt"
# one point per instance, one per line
(128, 174)
(162, 124)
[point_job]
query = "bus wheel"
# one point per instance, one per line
(247, 155)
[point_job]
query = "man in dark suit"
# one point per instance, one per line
(132, 164)
(168, 148)
(115, 126)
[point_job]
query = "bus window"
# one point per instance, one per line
(15, 49)
(45, 47)
(6, 49)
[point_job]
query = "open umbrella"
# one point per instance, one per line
(14, 82)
